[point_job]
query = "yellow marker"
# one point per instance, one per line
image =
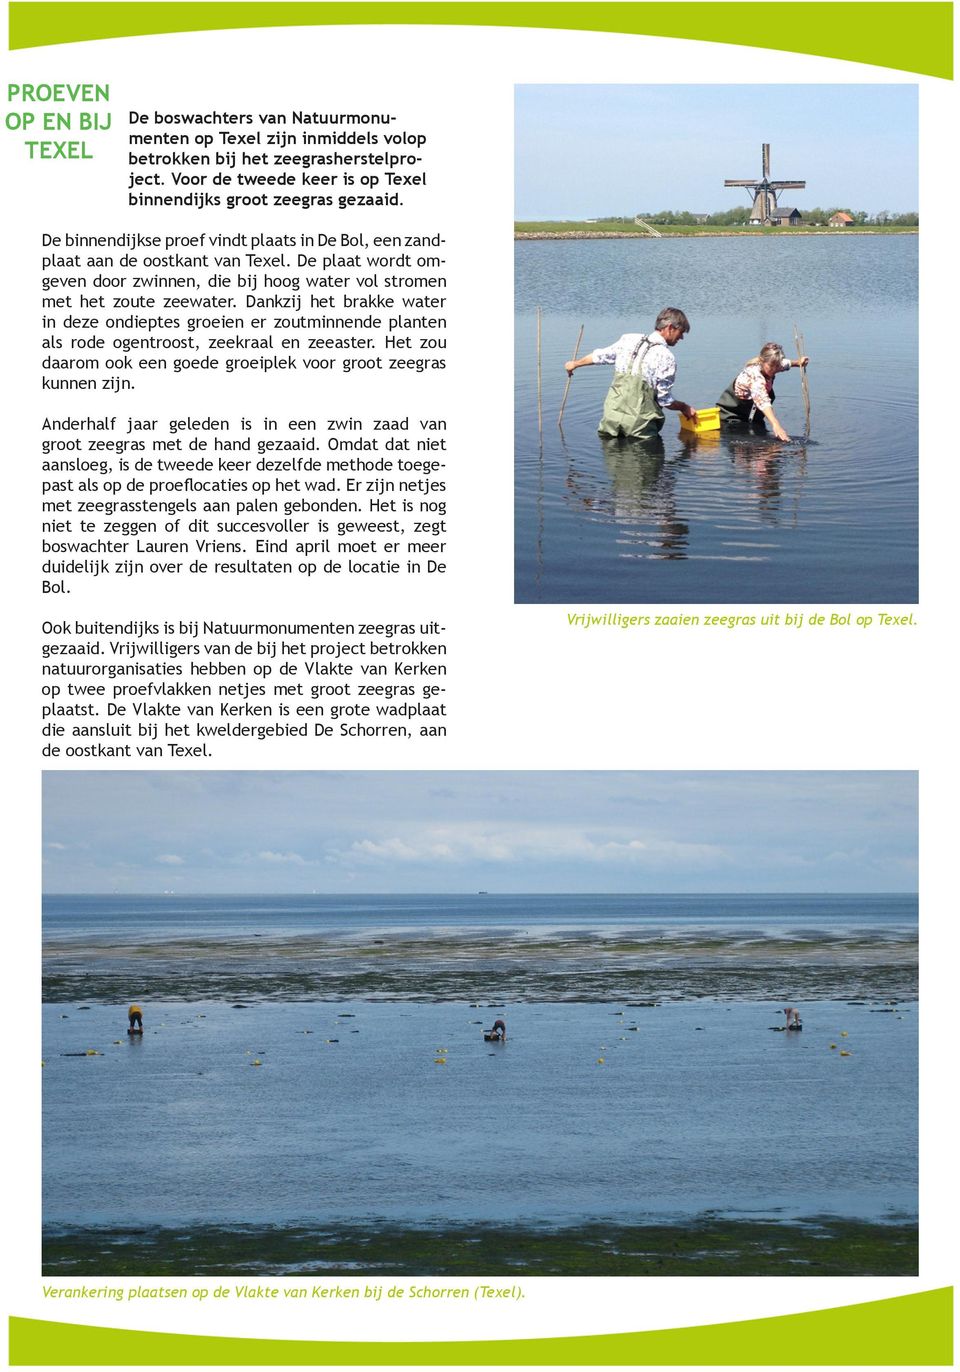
(833, 1045)
(844, 1053)
(844, 1034)
(256, 1063)
(600, 1061)
(442, 1062)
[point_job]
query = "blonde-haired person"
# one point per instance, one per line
(749, 397)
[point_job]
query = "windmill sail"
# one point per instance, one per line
(765, 191)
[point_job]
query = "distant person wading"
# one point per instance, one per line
(644, 372)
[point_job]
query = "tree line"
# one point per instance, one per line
(741, 215)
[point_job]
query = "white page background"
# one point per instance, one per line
(525, 692)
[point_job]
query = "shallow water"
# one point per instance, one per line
(719, 518)
(695, 1108)
(110, 917)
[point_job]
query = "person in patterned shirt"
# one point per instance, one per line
(644, 373)
(749, 397)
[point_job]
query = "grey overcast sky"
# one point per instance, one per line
(586, 151)
(403, 832)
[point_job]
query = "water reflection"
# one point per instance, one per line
(643, 493)
(738, 516)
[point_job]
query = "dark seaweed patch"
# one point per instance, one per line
(708, 1246)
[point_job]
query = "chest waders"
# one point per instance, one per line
(733, 410)
(631, 409)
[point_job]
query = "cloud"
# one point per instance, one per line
(513, 843)
(416, 831)
(395, 850)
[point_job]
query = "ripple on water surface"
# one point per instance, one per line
(364, 1112)
(740, 518)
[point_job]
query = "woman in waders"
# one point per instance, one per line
(643, 385)
(749, 397)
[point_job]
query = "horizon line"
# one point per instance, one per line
(482, 892)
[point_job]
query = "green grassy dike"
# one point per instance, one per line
(610, 229)
(707, 1247)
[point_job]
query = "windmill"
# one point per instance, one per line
(765, 192)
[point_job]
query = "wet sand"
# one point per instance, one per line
(467, 964)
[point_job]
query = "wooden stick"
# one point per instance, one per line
(569, 378)
(539, 378)
(804, 383)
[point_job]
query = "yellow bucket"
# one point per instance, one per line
(705, 421)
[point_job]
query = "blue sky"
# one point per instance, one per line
(583, 151)
(408, 832)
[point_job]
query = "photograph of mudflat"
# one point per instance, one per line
(716, 403)
(480, 1023)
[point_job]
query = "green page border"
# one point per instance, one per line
(913, 1330)
(903, 1331)
(907, 35)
